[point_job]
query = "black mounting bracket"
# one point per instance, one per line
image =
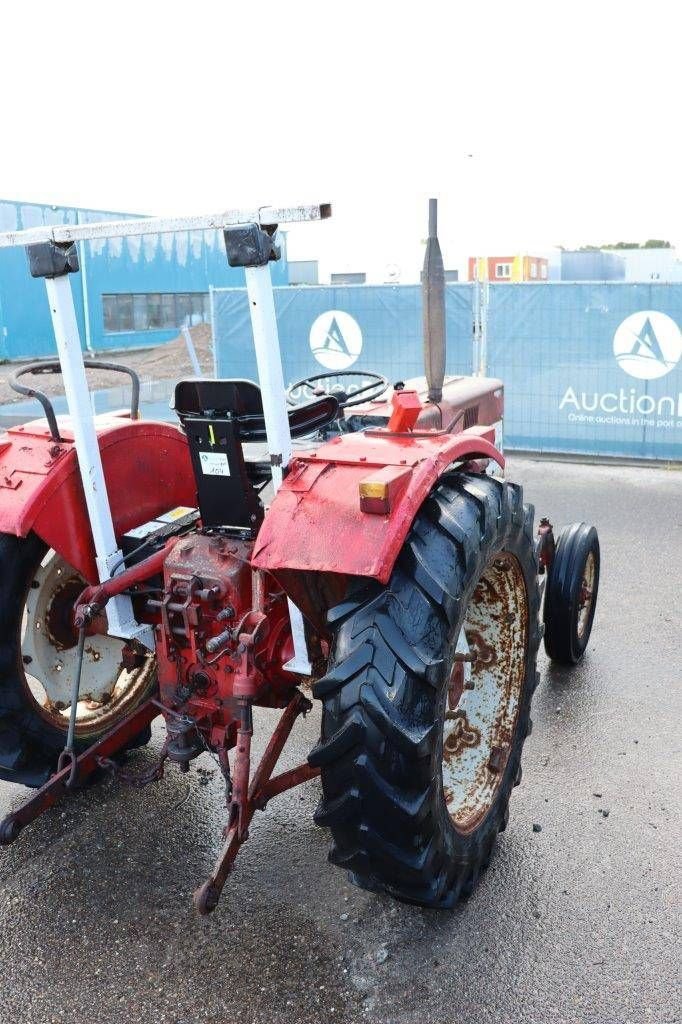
(250, 245)
(52, 259)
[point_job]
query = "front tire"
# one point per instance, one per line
(418, 759)
(571, 598)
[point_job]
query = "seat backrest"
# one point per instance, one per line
(200, 396)
(242, 400)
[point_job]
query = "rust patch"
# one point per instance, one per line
(462, 734)
(483, 653)
(456, 685)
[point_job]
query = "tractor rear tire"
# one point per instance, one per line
(32, 731)
(571, 597)
(416, 779)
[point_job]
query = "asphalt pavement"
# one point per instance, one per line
(578, 922)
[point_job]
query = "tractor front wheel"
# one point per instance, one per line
(426, 704)
(38, 653)
(571, 597)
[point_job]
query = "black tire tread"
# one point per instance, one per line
(573, 546)
(381, 730)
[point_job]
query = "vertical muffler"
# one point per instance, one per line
(433, 309)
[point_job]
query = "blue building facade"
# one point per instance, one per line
(130, 292)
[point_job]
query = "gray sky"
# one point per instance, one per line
(535, 123)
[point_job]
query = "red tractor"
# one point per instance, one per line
(199, 570)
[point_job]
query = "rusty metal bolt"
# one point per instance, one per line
(497, 759)
(216, 642)
(131, 659)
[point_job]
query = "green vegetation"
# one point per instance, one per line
(651, 243)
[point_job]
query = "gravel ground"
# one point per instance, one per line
(575, 923)
(164, 362)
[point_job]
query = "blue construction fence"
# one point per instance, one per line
(359, 327)
(593, 369)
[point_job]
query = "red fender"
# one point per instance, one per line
(146, 467)
(316, 523)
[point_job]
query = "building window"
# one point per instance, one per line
(533, 270)
(110, 313)
(183, 310)
(154, 311)
(168, 311)
(125, 312)
(543, 271)
(503, 270)
(140, 313)
(359, 277)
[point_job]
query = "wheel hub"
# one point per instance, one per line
(586, 593)
(49, 648)
(59, 613)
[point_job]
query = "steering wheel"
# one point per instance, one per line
(376, 387)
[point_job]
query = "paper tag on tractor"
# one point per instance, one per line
(214, 464)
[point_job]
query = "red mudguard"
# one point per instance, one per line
(146, 466)
(316, 522)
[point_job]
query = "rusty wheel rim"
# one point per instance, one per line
(48, 649)
(484, 692)
(586, 595)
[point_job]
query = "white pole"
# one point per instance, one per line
(119, 610)
(271, 379)
(211, 303)
(265, 215)
(191, 352)
(483, 354)
(475, 358)
(269, 361)
(84, 288)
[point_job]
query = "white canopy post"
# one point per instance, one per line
(271, 379)
(120, 617)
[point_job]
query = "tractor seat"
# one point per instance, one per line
(242, 402)
(220, 418)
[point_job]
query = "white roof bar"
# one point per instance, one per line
(162, 225)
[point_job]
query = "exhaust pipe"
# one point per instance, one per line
(433, 309)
